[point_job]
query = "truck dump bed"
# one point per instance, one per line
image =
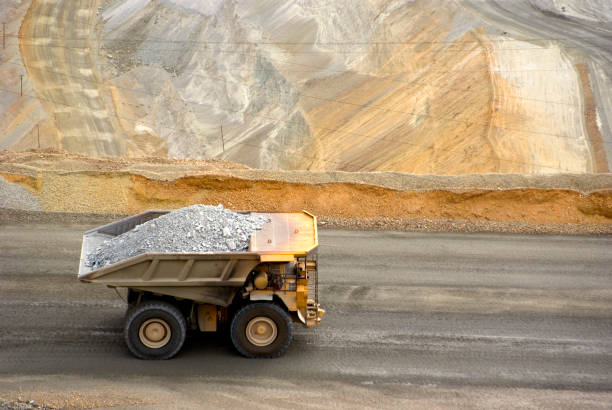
(202, 277)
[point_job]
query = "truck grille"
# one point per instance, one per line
(313, 278)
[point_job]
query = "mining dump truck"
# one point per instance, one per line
(257, 293)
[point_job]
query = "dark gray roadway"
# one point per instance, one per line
(473, 310)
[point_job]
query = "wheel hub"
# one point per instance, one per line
(261, 331)
(154, 333)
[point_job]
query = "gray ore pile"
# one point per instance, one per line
(15, 197)
(195, 229)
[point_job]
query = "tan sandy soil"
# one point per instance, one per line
(71, 183)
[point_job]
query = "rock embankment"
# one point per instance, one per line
(16, 197)
(68, 184)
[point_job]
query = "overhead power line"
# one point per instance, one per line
(338, 163)
(372, 106)
(377, 77)
(507, 38)
(274, 51)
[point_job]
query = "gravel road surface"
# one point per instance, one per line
(426, 320)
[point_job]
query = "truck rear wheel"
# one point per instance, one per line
(261, 330)
(154, 330)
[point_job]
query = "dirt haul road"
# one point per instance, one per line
(413, 320)
(59, 50)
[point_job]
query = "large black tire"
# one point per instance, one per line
(154, 330)
(274, 323)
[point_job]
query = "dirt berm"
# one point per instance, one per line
(71, 183)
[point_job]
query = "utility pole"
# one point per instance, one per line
(38, 134)
(222, 140)
(21, 84)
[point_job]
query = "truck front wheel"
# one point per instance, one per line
(154, 330)
(261, 330)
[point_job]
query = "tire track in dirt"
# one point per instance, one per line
(59, 36)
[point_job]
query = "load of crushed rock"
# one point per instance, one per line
(194, 229)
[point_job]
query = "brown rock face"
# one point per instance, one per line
(420, 87)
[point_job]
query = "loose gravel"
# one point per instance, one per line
(194, 229)
(21, 405)
(16, 197)
(457, 225)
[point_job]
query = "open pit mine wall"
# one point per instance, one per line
(427, 87)
(563, 199)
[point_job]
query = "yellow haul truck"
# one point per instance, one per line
(258, 293)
